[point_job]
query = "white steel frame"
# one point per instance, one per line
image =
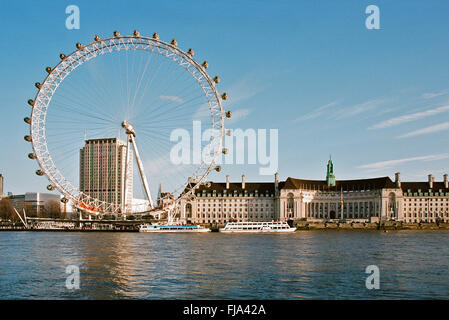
(93, 50)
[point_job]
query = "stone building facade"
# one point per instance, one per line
(231, 201)
(319, 200)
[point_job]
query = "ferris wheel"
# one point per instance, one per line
(122, 92)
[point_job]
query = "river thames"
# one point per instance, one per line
(302, 265)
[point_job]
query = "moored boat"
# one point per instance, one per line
(252, 227)
(172, 228)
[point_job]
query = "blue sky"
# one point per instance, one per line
(377, 100)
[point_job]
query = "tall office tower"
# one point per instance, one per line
(1, 185)
(102, 171)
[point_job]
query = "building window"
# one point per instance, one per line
(290, 205)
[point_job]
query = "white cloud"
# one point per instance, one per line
(162, 170)
(171, 98)
(238, 115)
(431, 95)
(392, 163)
(357, 109)
(409, 117)
(202, 113)
(319, 111)
(432, 129)
(246, 88)
(344, 112)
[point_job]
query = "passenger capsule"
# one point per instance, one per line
(190, 52)
(28, 138)
(116, 34)
(62, 56)
(229, 132)
(39, 172)
(27, 120)
(48, 69)
(208, 184)
(205, 65)
(228, 114)
(224, 96)
(64, 200)
(155, 36)
(218, 168)
(31, 102)
(174, 42)
(32, 156)
(216, 79)
(79, 46)
(136, 33)
(50, 187)
(224, 151)
(38, 85)
(97, 38)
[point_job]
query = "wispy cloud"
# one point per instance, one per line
(318, 112)
(432, 129)
(162, 167)
(431, 95)
(203, 113)
(238, 115)
(244, 89)
(409, 117)
(334, 112)
(171, 98)
(357, 109)
(394, 163)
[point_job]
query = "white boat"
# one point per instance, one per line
(273, 226)
(172, 228)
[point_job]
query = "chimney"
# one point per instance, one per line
(276, 181)
(227, 181)
(430, 181)
(243, 181)
(397, 179)
(446, 183)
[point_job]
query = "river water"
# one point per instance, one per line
(302, 265)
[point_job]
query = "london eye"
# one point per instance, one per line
(123, 100)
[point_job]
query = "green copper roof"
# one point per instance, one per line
(330, 177)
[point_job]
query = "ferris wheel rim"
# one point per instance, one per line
(42, 102)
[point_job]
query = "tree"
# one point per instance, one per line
(7, 210)
(29, 209)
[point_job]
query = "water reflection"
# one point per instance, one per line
(323, 265)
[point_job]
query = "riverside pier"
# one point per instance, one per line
(68, 225)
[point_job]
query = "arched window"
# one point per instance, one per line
(189, 210)
(290, 205)
(391, 204)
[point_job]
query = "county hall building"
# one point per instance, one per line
(319, 200)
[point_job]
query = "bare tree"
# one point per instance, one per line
(29, 209)
(7, 210)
